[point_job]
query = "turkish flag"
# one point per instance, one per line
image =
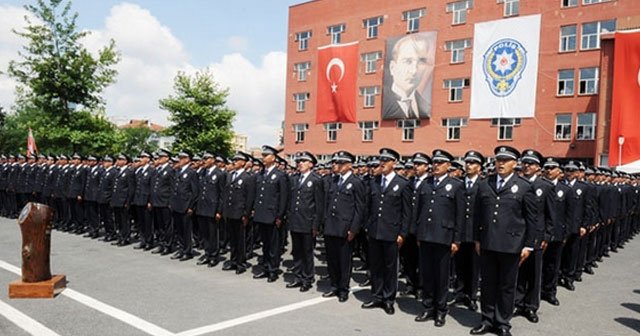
(625, 106)
(31, 144)
(337, 73)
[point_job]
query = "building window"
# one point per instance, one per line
(300, 130)
(455, 87)
(332, 131)
(336, 33)
(590, 2)
(371, 25)
(569, 3)
(371, 61)
(566, 82)
(453, 126)
(303, 40)
(408, 127)
(301, 101)
(586, 126)
(505, 127)
(457, 48)
(563, 127)
(369, 93)
(591, 33)
(459, 10)
(413, 19)
(588, 81)
(302, 70)
(568, 38)
(367, 128)
(511, 7)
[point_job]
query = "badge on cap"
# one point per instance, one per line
(514, 189)
(579, 192)
(503, 149)
(560, 193)
(309, 184)
(448, 187)
(395, 188)
(538, 192)
(349, 186)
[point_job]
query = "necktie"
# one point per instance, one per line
(383, 183)
(500, 183)
(410, 112)
(416, 184)
(435, 183)
(233, 176)
(340, 181)
(300, 180)
(469, 183)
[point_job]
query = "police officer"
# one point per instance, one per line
(78, 179)
(239, 194)
(183, 201)
(304, 216)
(344, 214)
(576, 226)
(123, 189)
(269, 209)
(530, 273)
(440, 219)
(91, 193)
(141, 197)
(161, 193)
(505, 236)
(209, 209)
(466, 260)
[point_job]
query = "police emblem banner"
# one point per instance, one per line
(505, 68)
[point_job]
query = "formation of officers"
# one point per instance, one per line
(506, 232)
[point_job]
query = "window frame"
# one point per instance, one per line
(373, 29)
(581, 128)
(566, 39)
(564, 81)
(369, 98)
(594, 37)
(301, 104)
(561, 128)
(303, 43)
(455, 91)
(459, 15)
(509, 6)
(371, 62)
(332, 129)
(411, 21)
(336, 34)
(408, 127)
(562, 5)
(300, 131)
(302, 69)
(457, 52)
(595, 81)
(367, 128)
(454, 125)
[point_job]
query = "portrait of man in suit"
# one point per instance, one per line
(408, 78)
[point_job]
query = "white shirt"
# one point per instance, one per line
(504, 180)
(472, 180)
(438, 180)
(388, 178)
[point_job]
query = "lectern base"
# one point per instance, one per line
(37, 290)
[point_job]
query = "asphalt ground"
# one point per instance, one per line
(122, 291)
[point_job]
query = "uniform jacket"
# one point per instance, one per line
(271, 196)
(162, 186)
(185, 190)
(92, 186)
(123, 188)
(557, 231)
(345, 207)
(306, 206)
(440, 211)
(211, 187)
(142, 194)
(239, 194)
(389, 209)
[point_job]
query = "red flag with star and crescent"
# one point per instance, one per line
(337, 73)
(32, 148)
(624, 106)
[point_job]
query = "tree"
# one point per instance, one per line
(202, 121)
(59, 85)
(133, 140)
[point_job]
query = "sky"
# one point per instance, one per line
(243, 43)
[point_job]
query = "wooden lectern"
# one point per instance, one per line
(37, 282)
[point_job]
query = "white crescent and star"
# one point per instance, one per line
(340, 64)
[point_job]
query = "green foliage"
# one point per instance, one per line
(202, 121)
(133, 140)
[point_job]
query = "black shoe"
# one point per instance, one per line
(165, 252)
(551, 299)
(388, 308)
(325, 277)
(116, 243)
(229, 267)
(362, 267)
(578, 278)
(202, 257)
(149, 247)
(124, 243)
(568, 285)
(240, 270)
(186, 257)
(272, 277)
(481, 330)
(593, 264)
(365, 283)
(588, 269)
(409, 290)
(472, 305)
(343, 297)
(425, 316)
(177, 255)
(295, 284)
(305, 288)
(140, 247)
(330, 294)
(614, 250)
(503, 331)
(261, 275)
(372, 304)
(530, 315)
(439, 320)
(213, 263)
(202, 261)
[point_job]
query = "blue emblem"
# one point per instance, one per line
(503, 65)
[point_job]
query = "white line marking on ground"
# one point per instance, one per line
(258, 316)
(104, 308)
(23, 321)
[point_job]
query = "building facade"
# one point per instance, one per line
(567, 94)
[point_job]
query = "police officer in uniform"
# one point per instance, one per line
(239, 194)
(388, 224)
(304, 216)
(440, 219)
(209, 209)
(576, 225)
(505, 236)
(344, 214)
(91, 193)
(466, 259)
(183, 201)
(123, 189)
(269, 209)
(161, 193)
